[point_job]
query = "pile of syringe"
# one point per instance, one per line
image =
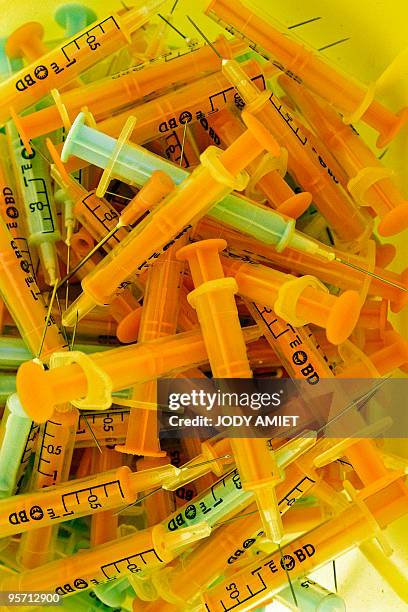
(184, 218)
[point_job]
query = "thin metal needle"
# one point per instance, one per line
(92, 432)
(172, 26)
(205, 38)
(47, 319)
(383, 280)
(283, 564)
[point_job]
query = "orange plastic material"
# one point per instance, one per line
(332, 272)
(353, 100)
(370, 182)
(27, 42)
(218, 174)
(159, 319)
(392, 356)
(143, 550)
(319, 546)
(40, 390)
(213, 299)
(80, 497)
(37, 547)
(127, 87)
(82, 242)
(61, 65)
(181, 582)
(307, 302)
(270, 183)
(23, 300)
(374, 315)
(384, 254)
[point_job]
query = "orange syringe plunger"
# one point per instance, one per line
(370, 182)
(104, 525)
(218, 174)
(266, 183)
(298, 300)
(353, 100)
(80, 497)
(144, 550)
(189, 576)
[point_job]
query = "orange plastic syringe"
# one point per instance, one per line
(108, 427)
(159, 319)
(304, 161)
(124, 88)
(353, 100)
(212, 458)
(214, 300)
(219, 173)
(386, 284)
(266, 172)
(297, 300)
(61, 65)
(94, 377)
(22, 298)
(80, 497)
(370, 182)
(143, 550)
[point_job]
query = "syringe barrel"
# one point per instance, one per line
(23, 301)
